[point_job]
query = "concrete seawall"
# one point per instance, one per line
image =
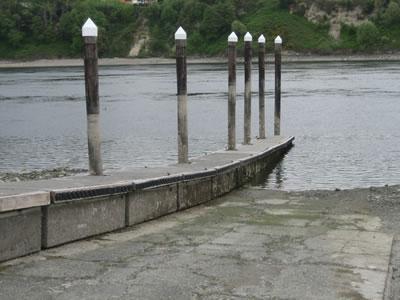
(37, 215)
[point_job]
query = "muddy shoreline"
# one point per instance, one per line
(287, 57)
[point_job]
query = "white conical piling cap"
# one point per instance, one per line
(89, 28)
(180, 34)
(278, 40)
(248, 37)
(233, 38)
(261, 39)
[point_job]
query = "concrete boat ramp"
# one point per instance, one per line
(248, 244)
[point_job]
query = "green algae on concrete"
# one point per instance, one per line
(306, 245)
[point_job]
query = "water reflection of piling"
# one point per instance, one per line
(181, 72)
(247, 87)
(89, 33)
(232, 40)
(261, 87)
(279, 176)
(278, 62)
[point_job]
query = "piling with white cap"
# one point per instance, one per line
(261, 87)
(181, 74)
(278, 63)
(232, 41)
(89, 34)
(247, 87)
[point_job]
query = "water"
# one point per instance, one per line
(345, 117)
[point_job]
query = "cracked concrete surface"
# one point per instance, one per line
(250, 244)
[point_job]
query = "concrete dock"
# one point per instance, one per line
(211, 162)
(37, 215)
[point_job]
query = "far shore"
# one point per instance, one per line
(287, 57)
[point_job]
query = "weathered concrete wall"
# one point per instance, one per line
(20, 233)
(28, 200)
(74, 220)
(195, 192)
(224, 182)
(151, 203)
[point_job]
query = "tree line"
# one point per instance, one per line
(52, 28)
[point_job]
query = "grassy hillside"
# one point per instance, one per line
(52, 28)
(298, 33)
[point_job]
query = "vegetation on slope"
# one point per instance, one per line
(210, 22)
(52, 28)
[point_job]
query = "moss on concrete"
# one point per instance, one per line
(352, 295)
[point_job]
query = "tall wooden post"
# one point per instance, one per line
(89, 33)
(278, 62)
(247, 87)
(232, 40)
(181, 74)
(261, 87)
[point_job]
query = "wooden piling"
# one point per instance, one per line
(232, 40)
(278, 62)
(181, 74)
(261, 87)
(247, 87)
(89, 33)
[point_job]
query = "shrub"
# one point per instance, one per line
(284, 4)
(300, 10)
(367, 6)
(368, 36)
(327, 5)
(392, 13)
(238, 27)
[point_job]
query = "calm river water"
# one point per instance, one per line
(345, 116)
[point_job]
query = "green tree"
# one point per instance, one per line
(284, 4)
(217, 20)
(392, 14)
(368, 36)
(238, 27)
(211, 24)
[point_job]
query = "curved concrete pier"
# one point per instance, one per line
(52, 212)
